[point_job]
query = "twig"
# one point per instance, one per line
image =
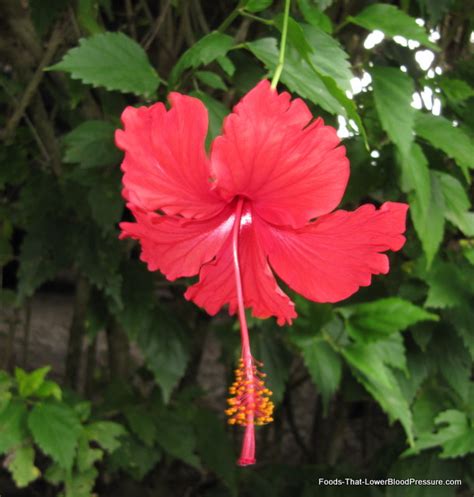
(151, 35)
(30, 90)
(130, 22)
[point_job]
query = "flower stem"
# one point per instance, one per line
(247, 455)
(284, 33)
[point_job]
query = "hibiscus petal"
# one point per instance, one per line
(175, 246)
(165, 162)
(293, 171)
(329, 260)
(216, 286)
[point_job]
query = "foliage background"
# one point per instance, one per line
(376, 386)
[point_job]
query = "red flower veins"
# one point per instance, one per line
(262, 203)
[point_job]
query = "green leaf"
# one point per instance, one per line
(392, 22)
(49, 389)
(453, 361)
(111, 60)
(29, 383)
(203, 52)
(165, 352)
(453, 141)
(105, 202)
(271, 351)
(328, 56)
(215, 448)
(55, 428)
(415, 177)
(80, 484)
(323, 363)
(211, 79)
(297, 75)
(142, 423)
(370, 364)
(176, 436)
(456, 90)
(426, 466)
(86, 455)
(226, 64)
(91, 144)
(106, 433)
(217, 112)
(134, 458)
(21, 464)
(378, 319)
(393, 90)
(457, 203)
(12, 426)
(87, 13)
(455, 434)
(429, 222)
(257, 5)
(314, 16)
(448, 286)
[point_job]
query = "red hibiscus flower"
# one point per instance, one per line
(261, 204)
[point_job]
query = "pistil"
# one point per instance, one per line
(250, 404)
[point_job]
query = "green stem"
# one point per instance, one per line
(281, 58)
(268, 22)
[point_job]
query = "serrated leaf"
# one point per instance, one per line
(112, 60)
(80, 484)
(226, 64)
(49, 389)
(29, 383)
(91, 144)
(313, 15)
(86, 455)
(451, 140)
(165, 352)
(215, 448)
(392, 22)
(429, 222)
(457, 203)
(455, 434)
(426, 466)
(106, 202)
(217, 112)
(323, 363)
(211, 79)
(271, 351)
(13, 429)
(369, 363)
(134, 458)
(21, 464)
(55, 428)
(393, 92)
(453, 361)
(142, 423)
(256, 5)
(456, 90)
(204, 51)
(176, 436)
(378, 319)
(106, 433)
(448, 286)
(297, 75)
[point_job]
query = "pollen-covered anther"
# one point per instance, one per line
(250, 402)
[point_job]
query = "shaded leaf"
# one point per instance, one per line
(91, 144)
(12, 426)
(106, 433)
